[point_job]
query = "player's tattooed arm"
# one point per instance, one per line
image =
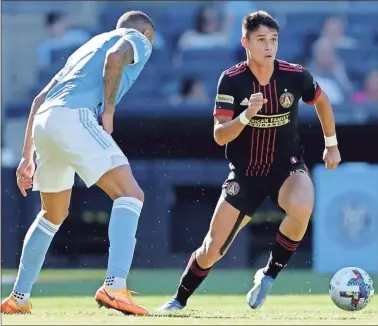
(120, 55)
(28, 149)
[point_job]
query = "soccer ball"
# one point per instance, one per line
(351, 289)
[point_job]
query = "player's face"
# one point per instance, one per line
(262, 45)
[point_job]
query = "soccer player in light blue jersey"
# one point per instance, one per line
(64, 132)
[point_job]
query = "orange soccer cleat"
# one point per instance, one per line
(120, 300)
(10, 306)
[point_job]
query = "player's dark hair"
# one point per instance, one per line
(134, 19)
(253, 21)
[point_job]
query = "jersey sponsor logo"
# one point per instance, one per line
(225, 98)
(244, 102)
(286, 99)
(272, 121)
(232, 188)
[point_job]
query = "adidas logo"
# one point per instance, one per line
(244, 102)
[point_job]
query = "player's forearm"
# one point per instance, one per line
(326, 117)
(113, 70)
(226, 132)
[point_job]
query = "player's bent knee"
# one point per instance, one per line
(300, 209)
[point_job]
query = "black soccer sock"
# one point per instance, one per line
(280, 255)
(191, 279)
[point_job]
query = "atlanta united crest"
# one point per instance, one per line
(286, 99)
(232, 188)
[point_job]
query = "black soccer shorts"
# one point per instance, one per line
(247, 193)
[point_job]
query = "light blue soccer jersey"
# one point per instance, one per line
(80, 82)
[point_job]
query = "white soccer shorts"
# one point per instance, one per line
(68, 141)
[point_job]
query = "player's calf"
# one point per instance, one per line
(210, 252)
(37, 240)
(36, 244)
(296, 197)
(190, 280)
(227, 221)
(199, 266)
(128, 198)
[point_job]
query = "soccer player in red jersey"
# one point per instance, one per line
(260, 133)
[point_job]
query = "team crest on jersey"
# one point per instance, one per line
(232, 188)
(286, 99)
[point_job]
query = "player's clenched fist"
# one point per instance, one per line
(255, 103)
(331, 157)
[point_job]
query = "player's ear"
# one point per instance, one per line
(244, 42)
(149, 34)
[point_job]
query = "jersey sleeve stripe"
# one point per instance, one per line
(290, 69)
(317, 94)
(225, 112)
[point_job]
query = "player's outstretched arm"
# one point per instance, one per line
(117, 57)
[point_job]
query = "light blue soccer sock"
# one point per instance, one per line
(122, 229)
(36, 244)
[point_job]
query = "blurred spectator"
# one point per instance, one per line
(60, 38)
(191, 91)
(234, 12)
(370, 92)
(329, 71)
(333, 31)
(206, 34)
